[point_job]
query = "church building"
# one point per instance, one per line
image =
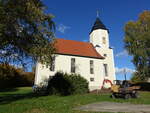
(93, 60)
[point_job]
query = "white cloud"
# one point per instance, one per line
(122, 53)
(62, 28)
(124, 70)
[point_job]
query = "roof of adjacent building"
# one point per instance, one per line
(76, 48)
(98, 25)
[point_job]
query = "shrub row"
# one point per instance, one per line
(14, 77)
(144, 86)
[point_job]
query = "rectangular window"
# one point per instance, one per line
(73, 69)
(91, 79)
(104, 40)
(52, 65)
(106, 69)
(91, 67)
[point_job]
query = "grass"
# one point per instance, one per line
(22, 100)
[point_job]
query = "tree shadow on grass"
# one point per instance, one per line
(8, 90)
(8, 98)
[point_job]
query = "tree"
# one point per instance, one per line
(137, 78)
(137, 43)
(26, 31)
(11, 76)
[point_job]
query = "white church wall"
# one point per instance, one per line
(63, 63)
(96, 38)
(109, 59)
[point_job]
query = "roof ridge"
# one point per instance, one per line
(76, 48)
(72, 40)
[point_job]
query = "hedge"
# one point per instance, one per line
(144, 86)
(11, 76)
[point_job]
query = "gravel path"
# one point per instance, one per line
(115, 107)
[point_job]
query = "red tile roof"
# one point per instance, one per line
(77, 48)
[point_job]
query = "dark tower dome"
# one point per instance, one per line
(98, 25)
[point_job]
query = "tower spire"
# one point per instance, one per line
(98, 23)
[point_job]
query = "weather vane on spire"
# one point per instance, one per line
(97, 15)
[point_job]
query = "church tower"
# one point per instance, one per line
(99, 37)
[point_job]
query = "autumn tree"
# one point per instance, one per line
(137, 43)
(26, 31)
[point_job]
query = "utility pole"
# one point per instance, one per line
(125, 72)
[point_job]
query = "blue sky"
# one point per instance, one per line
(74, 20)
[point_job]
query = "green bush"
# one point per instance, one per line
(27, 78)
(67, 84)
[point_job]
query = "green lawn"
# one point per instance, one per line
(21, 100)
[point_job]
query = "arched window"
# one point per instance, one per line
(104, 40)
